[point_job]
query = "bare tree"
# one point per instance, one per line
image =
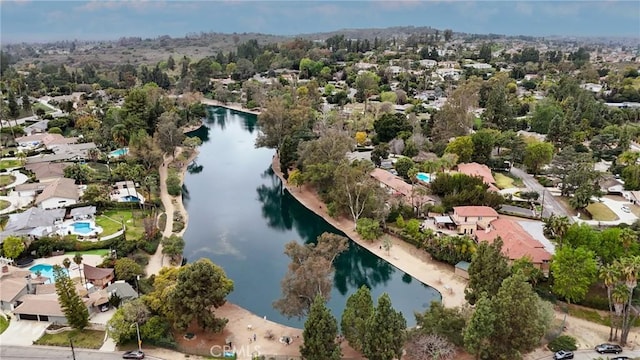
(429, 347)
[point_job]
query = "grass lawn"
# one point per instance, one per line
(4, 204)
(10, 163)
(39, 105)
(635, 209)
(101, 170)
(7, 150)
(565, 203)
(601, 212)
(4, 323)
(86, 339)
(100, 252)
(503, 181)
(6, 179)
(110, 221)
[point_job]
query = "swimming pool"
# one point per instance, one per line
(119, 152)
(424, 177)
(130, 198)
(82, 227)
(45, 270)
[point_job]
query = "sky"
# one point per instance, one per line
(48, 20)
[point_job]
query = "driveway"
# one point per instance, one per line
(22, 332)
(591, 354)
(616, 207)
(551, 205)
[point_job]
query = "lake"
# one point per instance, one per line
(240, 217)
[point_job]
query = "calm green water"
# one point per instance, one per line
(240, 217)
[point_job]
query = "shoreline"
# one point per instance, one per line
(231, 106)
(402, 255)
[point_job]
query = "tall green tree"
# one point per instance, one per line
(201, 287)
(386, 332)
(72, 306)
(479, 331)
(489, 267)
(537, 154)
(320, 331)
(446, 322)
(355, 315)
(519, 323)
(574, 270)
(13, 246)
(461, 146)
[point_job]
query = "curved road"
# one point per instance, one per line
(551, 205)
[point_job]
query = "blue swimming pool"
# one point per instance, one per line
(45, 270)
(424, 177)
(130, 198)
(119, 152)
(82, 227)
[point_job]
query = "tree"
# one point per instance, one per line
(487, 270)
(380, 152)
(446, 322)
(574, 270)
(545, 111)
(72, 306)
(126, 269)
(361, 137)
(200, 287)
(428, 347)
(173, 246)
(455, 117)
(403, 165)
(537, 154)
(120, 326)
(14, 109)
(13, 246)
(119, 133)
(388, 126)
(81, 173)
(461, 146)
(96, 194)
(320, 331)
(366, 85)
(484, 140)
(163, 284)
(478, 334)
(168, 134)
(386, 332)
(354, 189)
(519, 323)
(280, 120)
(309, 274)
(77, 259)
(357, 311)
(368, 229)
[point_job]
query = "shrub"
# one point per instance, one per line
(174, 186)
(563, 342)
(368, 229)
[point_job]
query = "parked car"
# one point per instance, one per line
(621, 358)
(626, 209)
(134, 354)
(562, 355)
(608, 349)
(104, 307)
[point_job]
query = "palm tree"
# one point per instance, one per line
(66, 263)
(609, 276)
(119, 133)
(630, 269)
(93, 154)
(619, 297)
(556, 227)
(78, 260)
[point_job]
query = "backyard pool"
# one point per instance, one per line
(424, 177)
(119, 152)
(45, 270)
(82, 227)
(130, 198)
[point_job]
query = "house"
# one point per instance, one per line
(13, 285)
(481, 170)
(123, 290)
(33, 222)
(39, 127)
(58, 194)
(398, 187)
(83, 213)
(517, 243)
(469, 218)
(47, 171)
(64, 152)
(47, 140)
(99, 277)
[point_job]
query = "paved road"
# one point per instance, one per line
(591, 354)
(53, 353)
(551, 205)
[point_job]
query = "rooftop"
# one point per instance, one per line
(475, 211)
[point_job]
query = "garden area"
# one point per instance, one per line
(86, 339)
(503, 181)
(6, 180)
(4, 323)
(111, 221)
(4, 204)
(10, 163)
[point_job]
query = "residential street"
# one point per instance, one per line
(592, 354)
(551, 205)
(48, 352)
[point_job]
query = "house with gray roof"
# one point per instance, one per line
(33, 222)
(83, 213)
(123, 290)
(47, 171)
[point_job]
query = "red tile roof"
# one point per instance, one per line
(396, 183)
(474, 211)
(517, 242)
(475, 169)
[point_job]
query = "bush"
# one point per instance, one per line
(368, 229)
(563, 342)
(174, 186)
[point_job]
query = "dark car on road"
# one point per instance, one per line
(134, 354)
(608, 349)
(621, 358)
(562, 355)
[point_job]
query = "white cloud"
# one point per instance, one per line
(139, 5)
